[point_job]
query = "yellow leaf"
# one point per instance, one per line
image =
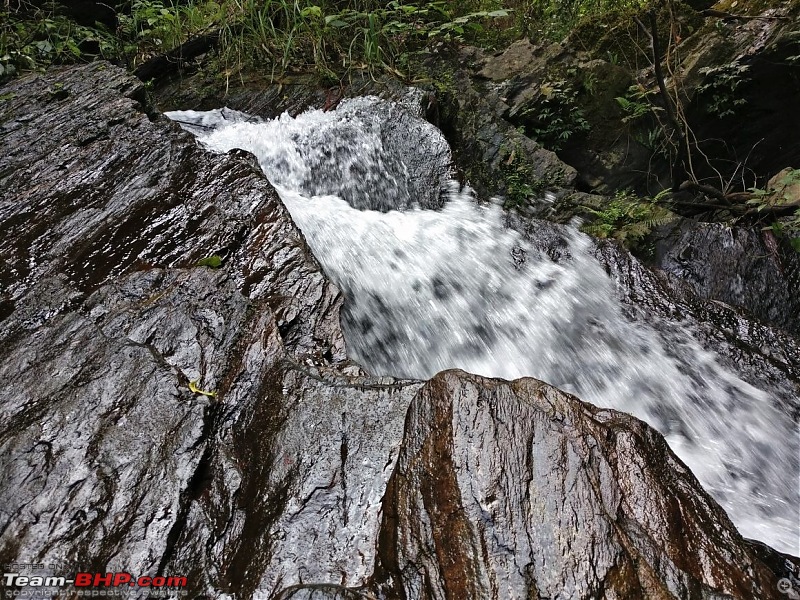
(194, 389)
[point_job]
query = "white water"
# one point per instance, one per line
(429, 290)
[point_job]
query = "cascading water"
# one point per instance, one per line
(431, 289)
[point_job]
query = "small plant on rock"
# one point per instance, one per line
(719, 92)
(556, 116)
(628, 219)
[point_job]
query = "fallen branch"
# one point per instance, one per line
(735, 203)
(174, 60)
(708, 190)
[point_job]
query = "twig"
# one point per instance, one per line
(721, 14)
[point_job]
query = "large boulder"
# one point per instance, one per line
(517, 490)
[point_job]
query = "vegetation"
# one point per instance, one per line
(557, 116)
(714, 184)
(628, 219)
(330, 36)
(718, 92)
(553, 20)
(32, 40)
(785, 193)
(333, 38)
(276, 35)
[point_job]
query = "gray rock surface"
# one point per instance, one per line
(517, 490)
(739, 266)
(282, 483)
(108, 458)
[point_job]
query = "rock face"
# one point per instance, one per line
(736, 266)
(516, 490)
(295, 475)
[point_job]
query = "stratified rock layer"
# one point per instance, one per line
(283, 478)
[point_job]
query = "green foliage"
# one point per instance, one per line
(287, 35)
(553, 19)
(636, 104)
(556, 116)
(329, 36)
(214, 261)
(153, 26)
(628, 219)
(718, 93)
(38, 39)
(517, 176)
(789, 229)
(778, 195)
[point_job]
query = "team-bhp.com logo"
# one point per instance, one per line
(88, 584)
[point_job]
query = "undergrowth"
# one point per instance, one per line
(628, 219)
(332, 37)
(276, 36)
(33, 40)
(785, 192)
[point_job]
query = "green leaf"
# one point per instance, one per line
(214, 261)
(311, 11)
(44, 46)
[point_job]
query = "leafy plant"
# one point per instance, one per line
(38, 39)
(782, 193)
(556, 116)
(720, 88)
(554, 20)
(628, 219)
(636, 104)
(459, 26)
(214, 261)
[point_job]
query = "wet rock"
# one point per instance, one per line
(763, 355)
(785, 187)
(514, 61)
(516, 490)
(492, 151)
(106, 191)
(397, 176)
(320, 592)
(109, 460)
(739, 266)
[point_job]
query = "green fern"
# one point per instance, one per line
(628, 219)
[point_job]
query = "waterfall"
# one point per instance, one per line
(434, 280)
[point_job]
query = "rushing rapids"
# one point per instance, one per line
(432, 288)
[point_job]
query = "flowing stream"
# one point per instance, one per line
(432, 287)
